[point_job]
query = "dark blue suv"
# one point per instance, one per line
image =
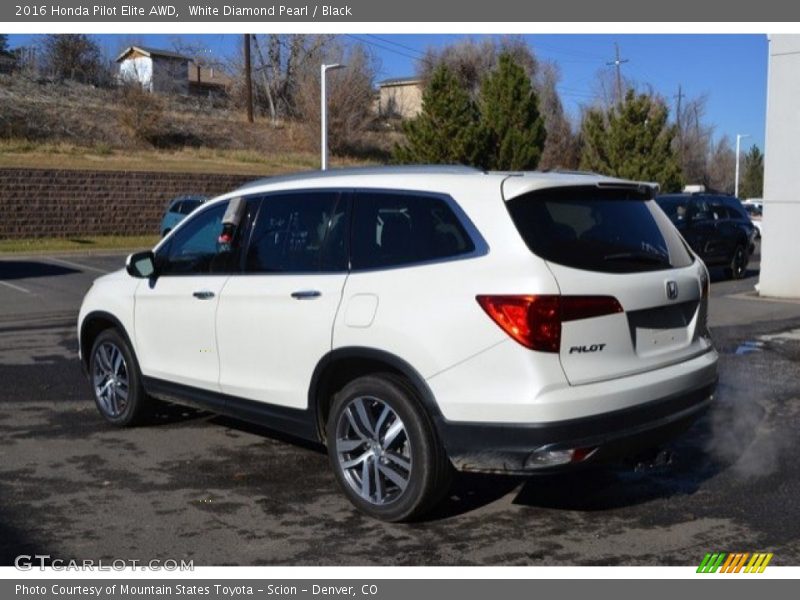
(716, 226)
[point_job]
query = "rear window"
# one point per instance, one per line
(613, 230)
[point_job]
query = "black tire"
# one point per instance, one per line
(738, 264)
(165, 232)
(121, 405)
(429, 474)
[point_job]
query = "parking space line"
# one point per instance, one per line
(76, 265)
(15, 287)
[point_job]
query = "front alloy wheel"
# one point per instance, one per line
(110, 379)
(116, 384)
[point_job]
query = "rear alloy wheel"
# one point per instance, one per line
(384, 450)
(115, 380)
(738, 267)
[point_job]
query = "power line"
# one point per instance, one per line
(398, 44)
(387, 48)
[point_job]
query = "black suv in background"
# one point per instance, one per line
(716, 226)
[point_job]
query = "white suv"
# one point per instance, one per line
(414, 320)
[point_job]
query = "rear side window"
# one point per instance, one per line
(299, 232)
(613, 230)
(403, 228)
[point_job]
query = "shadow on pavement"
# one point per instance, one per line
(14, 543)
(27, 269)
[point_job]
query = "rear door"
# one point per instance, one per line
(275, 320)
(615, 241)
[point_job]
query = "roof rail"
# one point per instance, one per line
(379, 170)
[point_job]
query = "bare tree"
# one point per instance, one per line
(280, 62)
(561, 148)
(693, 139)
(721, 167)
(75, 57)
(350, 96)
(140, 112)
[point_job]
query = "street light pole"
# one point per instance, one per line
(323, 69)
(739, 137)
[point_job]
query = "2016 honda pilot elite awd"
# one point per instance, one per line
(414, 320)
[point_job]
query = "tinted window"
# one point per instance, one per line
(188, 206)
(700, 210)
(676, 207)
(391, 229)
(299, 232)
(614, 230)
(176, 207)
(194, 248)
(735, 208)
(720, 211)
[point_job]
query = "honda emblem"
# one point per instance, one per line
(672, 290)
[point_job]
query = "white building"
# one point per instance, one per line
(780, 249)
(155, 70)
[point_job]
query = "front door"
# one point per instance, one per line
(175, 312)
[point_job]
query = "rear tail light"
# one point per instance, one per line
(535, 321)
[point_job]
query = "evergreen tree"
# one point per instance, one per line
(631, 140)
(511, 119)
(447, 131)
(4, 49)
(752, 185)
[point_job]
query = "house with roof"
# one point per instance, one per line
(169, 72)
(400, 97)
(155, 70)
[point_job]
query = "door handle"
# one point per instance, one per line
(306, 294)
(203, 294)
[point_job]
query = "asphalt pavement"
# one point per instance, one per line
(218, 491)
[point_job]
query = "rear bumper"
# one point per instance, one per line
(508, 448)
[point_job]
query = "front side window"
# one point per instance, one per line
(195, 249)
(394, 229)
(299, 232)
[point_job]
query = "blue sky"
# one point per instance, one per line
(730, 69)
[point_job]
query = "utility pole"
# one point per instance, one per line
(618, 62)
(680, 96)
(248, 78)
(679, 123)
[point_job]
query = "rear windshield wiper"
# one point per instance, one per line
(642, 257)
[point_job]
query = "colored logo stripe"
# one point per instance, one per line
(734, 562)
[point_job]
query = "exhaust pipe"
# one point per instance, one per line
(653, 459)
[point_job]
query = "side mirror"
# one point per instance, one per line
(141, 264)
